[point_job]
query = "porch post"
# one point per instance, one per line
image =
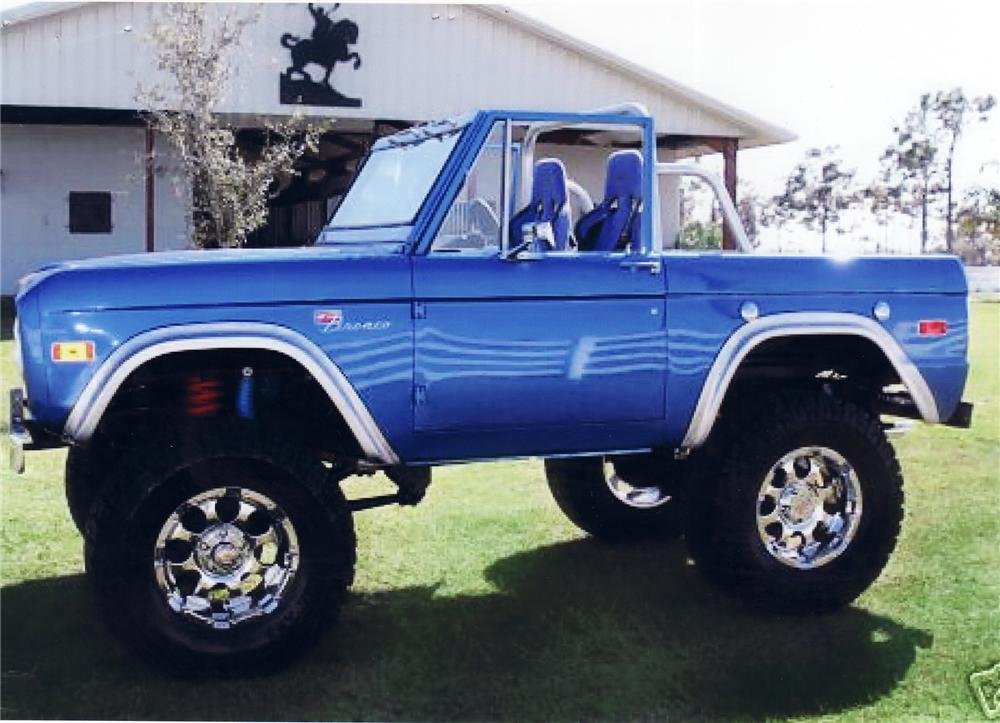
(729, 148)
(150, 191)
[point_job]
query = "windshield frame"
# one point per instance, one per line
(416, 237)
(397, 231)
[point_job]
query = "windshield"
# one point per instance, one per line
(393, 183)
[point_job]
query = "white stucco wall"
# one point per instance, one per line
(41, 164)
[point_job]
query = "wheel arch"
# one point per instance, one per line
(142, 349)
(755, 334)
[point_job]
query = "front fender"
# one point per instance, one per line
(105, 382)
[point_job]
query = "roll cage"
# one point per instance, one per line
(518, 160)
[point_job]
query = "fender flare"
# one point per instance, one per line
(104, 384)
(748, 337)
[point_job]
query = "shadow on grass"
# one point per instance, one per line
(572, 631)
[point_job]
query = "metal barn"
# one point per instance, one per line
(73, 150)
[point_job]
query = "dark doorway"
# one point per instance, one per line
(304, 202)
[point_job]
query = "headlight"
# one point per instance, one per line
(23, 282)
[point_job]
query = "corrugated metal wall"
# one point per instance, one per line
(418, 62)
(42, 164)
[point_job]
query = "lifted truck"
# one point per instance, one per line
(470, 301)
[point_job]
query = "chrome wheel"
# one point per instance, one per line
(225, 556)
(809, 507)
(643, 498)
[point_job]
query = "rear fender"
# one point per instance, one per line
(756, 332)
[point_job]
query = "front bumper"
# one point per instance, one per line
(24, 434)
(18, 436)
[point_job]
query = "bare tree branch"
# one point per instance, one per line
(227, 191)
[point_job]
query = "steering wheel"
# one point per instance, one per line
(483, 223)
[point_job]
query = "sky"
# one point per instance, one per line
(834, 72)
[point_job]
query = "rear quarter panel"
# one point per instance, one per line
(706, 291)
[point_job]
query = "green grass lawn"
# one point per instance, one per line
(483, 603)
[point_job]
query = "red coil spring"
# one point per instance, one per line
(204, 396)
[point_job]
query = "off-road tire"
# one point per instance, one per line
(86, 473)
(163, 472)
(722, 533)
(89, 467)
(581, 491)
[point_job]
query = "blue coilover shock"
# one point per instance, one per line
(244, 394)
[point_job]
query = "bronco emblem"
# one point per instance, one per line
(330, 43)
(328, 319)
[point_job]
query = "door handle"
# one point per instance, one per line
(654, 267)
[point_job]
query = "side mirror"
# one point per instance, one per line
(541, 233)
(514, 252)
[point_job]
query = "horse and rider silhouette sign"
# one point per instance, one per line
(329, 43)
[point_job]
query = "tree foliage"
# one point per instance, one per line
(751, 209)
(699, 235)
(701, 218)
(227, 187)
(917, 167)
(978, 220)
(954, 111)
(881, 200)
(910, 174)
(817, 192)
(700, 226)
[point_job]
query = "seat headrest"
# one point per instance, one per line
(549, 183)
(624, 178)
(549, 203)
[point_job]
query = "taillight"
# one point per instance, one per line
(933, 327)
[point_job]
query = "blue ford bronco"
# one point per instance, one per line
(467, 301)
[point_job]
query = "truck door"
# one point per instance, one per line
(552, 352)
(561, 340)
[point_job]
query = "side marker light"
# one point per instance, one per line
(73, 351)
(932, 327)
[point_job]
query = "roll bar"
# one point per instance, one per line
(630, 109)
(729, 213)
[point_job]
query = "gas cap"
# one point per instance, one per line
(749, 311)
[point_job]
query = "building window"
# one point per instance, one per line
(89, 212)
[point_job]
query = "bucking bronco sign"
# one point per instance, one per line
(330, 43)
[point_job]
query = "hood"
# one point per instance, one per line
(223, 278)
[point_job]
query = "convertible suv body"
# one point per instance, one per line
(470, 301)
